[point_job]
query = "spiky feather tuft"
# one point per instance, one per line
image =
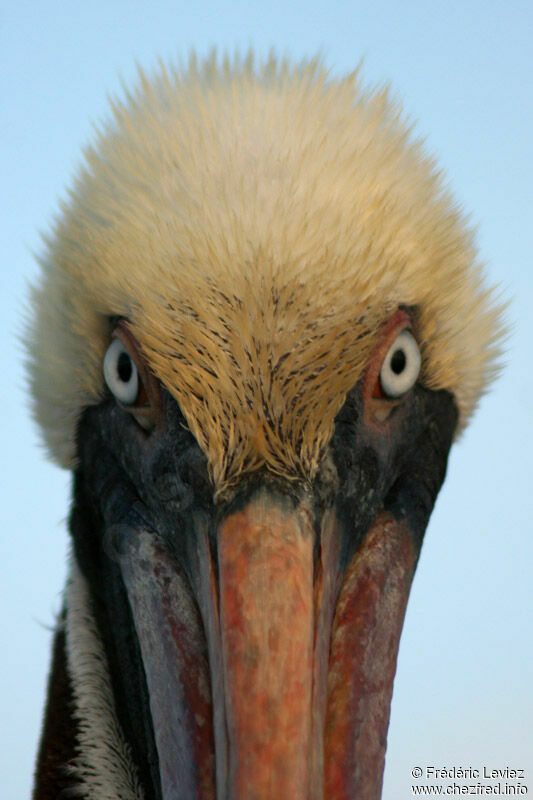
(257, 225)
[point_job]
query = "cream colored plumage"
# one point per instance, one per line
(256, 225)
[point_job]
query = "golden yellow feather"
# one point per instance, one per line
(256, 225)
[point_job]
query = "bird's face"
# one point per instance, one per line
(267, 618)
(260, 325)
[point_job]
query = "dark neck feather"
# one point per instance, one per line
(57, 748)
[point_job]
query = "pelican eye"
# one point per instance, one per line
(401, 366)
(120, 373)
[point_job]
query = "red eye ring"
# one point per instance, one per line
(146, 405)
(378, 403)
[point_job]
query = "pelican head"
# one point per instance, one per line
(260, 325)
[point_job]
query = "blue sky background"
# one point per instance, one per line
(464, 690)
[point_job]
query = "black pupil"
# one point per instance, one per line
(398, 361)
(124, 367)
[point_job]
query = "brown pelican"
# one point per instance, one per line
(260, 325)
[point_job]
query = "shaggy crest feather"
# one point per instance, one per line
(256, 225)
